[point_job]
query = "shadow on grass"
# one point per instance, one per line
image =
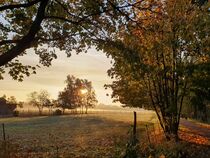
(74, 136)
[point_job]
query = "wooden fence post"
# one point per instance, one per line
(134, 128)
(3, 129)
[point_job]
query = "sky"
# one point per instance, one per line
(92, 65)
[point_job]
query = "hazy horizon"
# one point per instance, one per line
(92, 65)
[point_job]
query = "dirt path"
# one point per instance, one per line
(196, 128)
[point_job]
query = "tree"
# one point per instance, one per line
(44, 99)
(39, 100)
(12, 100)
(89, 99)
(68, 98)
(159, 58)
(33, 100)
(77, 93)
(45, 25)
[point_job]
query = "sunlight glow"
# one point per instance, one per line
(84, 91)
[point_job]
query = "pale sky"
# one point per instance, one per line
(92, 66)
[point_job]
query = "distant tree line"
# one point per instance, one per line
(78, 94)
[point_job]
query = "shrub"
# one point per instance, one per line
(57, 112)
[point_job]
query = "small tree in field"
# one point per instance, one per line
(39, 100)
(33, 100)
(44, 99)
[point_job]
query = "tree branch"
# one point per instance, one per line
(27, 40)
(3, 42)
(62, 19)
(154, 104)
(64, 8)
(82, 18)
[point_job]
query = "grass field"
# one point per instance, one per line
(99, 134)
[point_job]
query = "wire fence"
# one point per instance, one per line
(155, 135)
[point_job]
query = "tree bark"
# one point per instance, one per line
(171, 131)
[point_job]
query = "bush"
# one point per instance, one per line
(15, 113)
(57, 112)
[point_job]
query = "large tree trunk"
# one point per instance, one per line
(171, 128)
(169, 124)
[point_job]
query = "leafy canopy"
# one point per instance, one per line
(154, 62)
(48, 25)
